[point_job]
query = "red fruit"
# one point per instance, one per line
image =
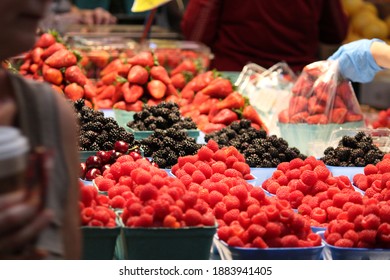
(319, 215)
(83, 170)
(235, 241)
(371, 221)
(205, 153)
(45, 40)
(289, 240)
(117, 202)
(121, 146)
(144, 220)
(143, 59)
(61, 58)
(342, 242)
(332, 238)
(160, 73)
(309, 177)
(86, 215)
(368, 236)
(178, 80)
(192, 217)
(74, 92)
(138, 75)
(104, 156)
(233, 173)
(156, 89)
(135, 155)
(92, 173)
(384, 233)
(258, 242)
(73, 74)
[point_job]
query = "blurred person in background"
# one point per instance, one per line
(264, 32)
(47, 120)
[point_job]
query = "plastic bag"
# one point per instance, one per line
(321, 101)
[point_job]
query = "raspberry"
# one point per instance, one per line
(383, 166)
(383, 233)
(221, 187)
(368, 236)
(339, 199)
(101, 215)
(272, 186)
(283, 192)
(283, 166)
(332, 238)
(105, 184)
(231, 215)
(252, 210)
(235, 241)
(371, 209)
(115, 170)
(217, 177)
(220, 155)
(219, 210)
(319, 187)
(224, 232)
(205, 153)
(230, 172)
(313, 202)
(283, 180)
(260, 218)
(183, 160)
(140, 176)
(272, 212)
(257, 193)
(355, 198)
(343, 242)
(333, 212)
(299, 223)
(86, 215)
(318, 214)
(212, 145)
(351, 235)
(147, 192)
(304, 209)
(370, 169)
(145, 220)
(259, 242)
(286, 216)
(309, 177)
(230, 160)
(249, 177)
(293, 174)
(240, 192)
(117, 202)
(244, 219)
(176, 212)
(96, 223)
(231, 202)
(384, 213)
(371, 221)
(314, 239)
(289, 240)
(295, 198)
(219, 167)
(127, 167)
(189, 199)
(326, 203)
(189, 168)
(305, 167)
(300, 186)
(205, 169)
(198, 177)
(296, 163)
(242, 167)
(272, 230)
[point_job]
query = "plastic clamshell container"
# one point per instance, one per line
(236, 253)
(311, 139)
(138, 135)
(340, 253)
(99, 243)
(262, 173)
(346, 171)
(122, 117)
(188, 243)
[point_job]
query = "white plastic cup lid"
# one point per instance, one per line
(12, 143)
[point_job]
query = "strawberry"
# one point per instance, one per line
(299, 117)
(171, 91)
(36, 55)
(317, 119)
(45, 41)
(198, 83)
(219, 88)
(73, 74)
(52, 49)
(187, 65)
(338, 115)
(143, 59)
(74, 92)
(211, 127)
(113, 66)
(138, 75)
(350, 117)
(57, 89)
(157, 89)
(89, 91)
(206, 106)
(121, 105)
(110, 78)
(160, 73)
(233, 101)
(136, 106)
(107, 93)
(61, 58)
(283, 116)
(297, 104)
(178, 80)
(225, 116)
(53, 76)
(251, 114)
(132, 93)
(99, 57)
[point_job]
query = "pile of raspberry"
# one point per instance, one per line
(375, 181)
(364, 225)
(150, 198)
(95, 210)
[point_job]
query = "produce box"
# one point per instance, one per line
(123, 117)
(346, 171)
(189, 243)
(262, 173)
(83, 155)
(236, 253)
(99, 243)
(138, 135)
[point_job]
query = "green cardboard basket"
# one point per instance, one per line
(138, 135)
(83, 155)
(189, 243)
(99, 243)
(122, 117)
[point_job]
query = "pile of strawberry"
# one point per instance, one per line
(126, 83)
(150, 198)
(95, 210)
(319, 98)
(383, 119)
(212, 102)
(365, 225)
(376, 180)
(51, 61)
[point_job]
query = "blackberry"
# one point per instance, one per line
(359, 136)
(275, 162)
(364, 146)
(101, 139)
(332, 162)
(343, 153)
(253, 160)
(79, 104)
(91, 135)
(85, 142)
(348, 141)
(244, 146)
(290, 154)
(244, 123)
(94, 147)
(108, 126)
(149, 120)
(360, 162)
(108, 146)
(173, 118)
(357, 153)
(230, 133)
(169, 142)
(235, 126)
(267, 163)
(148, 152)
(152, 126)
(273, 152)
(329, 150)
(266, 156)
(160, 161)
(282, 157)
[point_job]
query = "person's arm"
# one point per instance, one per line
(381, 53)
(333, 25)
(72, 234)
(94, 16)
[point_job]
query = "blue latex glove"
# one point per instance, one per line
(356, 62)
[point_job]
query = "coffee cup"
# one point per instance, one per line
(14, 149)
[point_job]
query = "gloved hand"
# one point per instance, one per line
(356, 62)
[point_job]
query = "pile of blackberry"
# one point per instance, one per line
(98, 132)
(353, 151)
(165, 146)
(162, 116)
(258, 149)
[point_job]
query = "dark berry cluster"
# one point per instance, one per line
(165, 146)
(353, 151)
(259, 149)
(162, 116)
(98, 132)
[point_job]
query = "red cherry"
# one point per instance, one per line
(83, 170)
(93, 162)
(105, 156)
(105, 167)
(135, 155)
(92, 174)
(115, 155)
(121, 146)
